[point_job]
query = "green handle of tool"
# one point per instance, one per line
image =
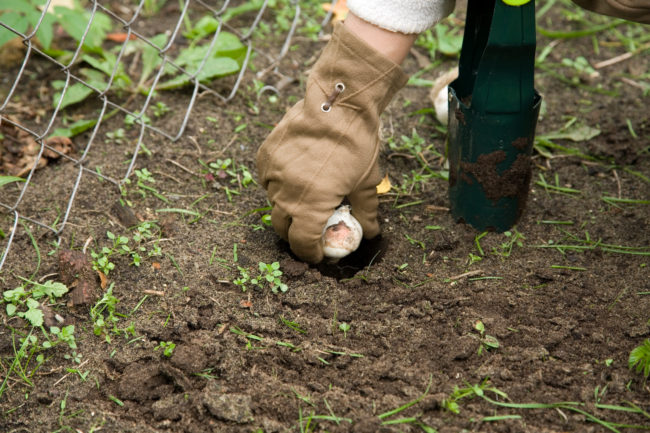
(493, 110)
(498, 57)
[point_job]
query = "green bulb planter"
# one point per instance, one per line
(493, 110)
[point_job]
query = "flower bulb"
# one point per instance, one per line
(342, 234)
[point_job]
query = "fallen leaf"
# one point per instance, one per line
(75, 270)
(120, 37)
(339, 12)
(12, 53)
(58, 146)
(19, 150)
(103, 280)
(384, 186)
(433, 208)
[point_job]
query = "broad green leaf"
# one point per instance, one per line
(229, 45)
(449, 44)
(11, 310)
(226, 45)
(203, 27)
(106, 65)
(14, 295)
(76, 92)
(34, 316)
(21, 6)
(9, 179)
(67, 331)
(76, 22)
(45, 32)
(15, 21)
(32, 303)
(75, 128)
(151, 56)
(213, 68)
(580, 133)
(51, 289)
(248, 6)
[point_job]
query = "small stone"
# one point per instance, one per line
(168, 407)
(229, 407)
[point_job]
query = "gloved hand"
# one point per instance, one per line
(326, 146)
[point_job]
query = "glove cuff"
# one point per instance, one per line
(369, 78)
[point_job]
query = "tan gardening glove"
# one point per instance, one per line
(326, 146)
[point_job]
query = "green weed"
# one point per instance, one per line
(469, 391)
(27, 302)
(571, 242)
(445, 38)
(545, 144)
(487, 342)
(105, 317)
(144, 242)
(167, 347)
(143, 186)
(116, 137)
(386, 416)
(4, 180)
(292, 325)
(416, 147)
(514, 237)
(269, 275)
(555, 187)
(344, 327)
(640, 359)
(501, 400)
(228, 171)
(23, 302)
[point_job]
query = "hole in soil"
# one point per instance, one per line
(369, 252)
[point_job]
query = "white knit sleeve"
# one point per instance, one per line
(404, 16)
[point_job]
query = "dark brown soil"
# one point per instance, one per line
(253, 361)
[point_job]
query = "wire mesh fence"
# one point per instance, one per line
(61, 53)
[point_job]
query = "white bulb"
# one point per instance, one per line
(342, 234)
(440, 93)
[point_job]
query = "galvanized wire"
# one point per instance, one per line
(10, 204)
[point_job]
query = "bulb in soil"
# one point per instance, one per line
(342, 234)
(439, 94)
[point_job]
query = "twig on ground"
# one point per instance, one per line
(195, 143)
(466, 274)
(232, 140)
(632, 83)
(68, 374)
(163, 174)
(154, 292)
(88, 241)
(618, 182)
(182, 167)
(44, 277)
(613, 60)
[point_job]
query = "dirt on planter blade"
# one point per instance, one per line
(431, 327)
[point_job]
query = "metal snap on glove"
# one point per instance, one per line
(326, 146)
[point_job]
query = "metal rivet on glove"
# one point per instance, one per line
(338, 89)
